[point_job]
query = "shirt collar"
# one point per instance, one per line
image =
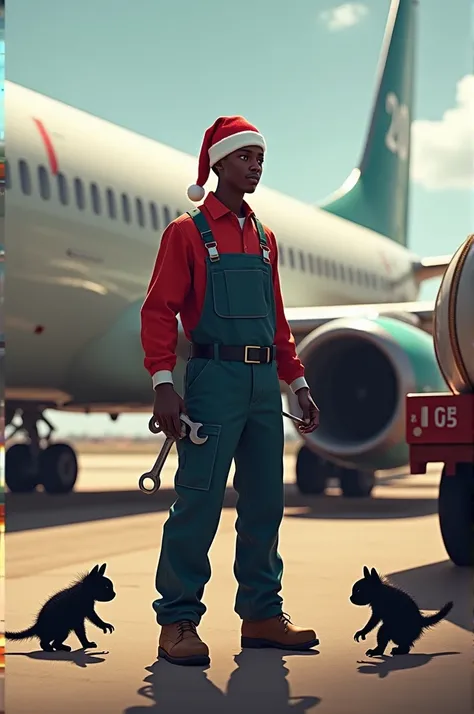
(217, 209)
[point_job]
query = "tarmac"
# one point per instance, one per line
(325, 541)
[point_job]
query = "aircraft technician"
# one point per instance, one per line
(218, 269)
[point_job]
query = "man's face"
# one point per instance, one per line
(242, 169)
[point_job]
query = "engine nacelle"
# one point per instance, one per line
(360, 371)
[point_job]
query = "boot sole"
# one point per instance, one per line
(257, 643)
(194, 661)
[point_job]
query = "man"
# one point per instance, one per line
(218, 268)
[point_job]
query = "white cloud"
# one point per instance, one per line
(343, 16)
(443, 150)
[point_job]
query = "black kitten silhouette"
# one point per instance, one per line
(67, 610)
(402, 621)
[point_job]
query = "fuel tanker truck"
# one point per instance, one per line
(440, 426)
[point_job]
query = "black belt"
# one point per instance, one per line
(250, 354)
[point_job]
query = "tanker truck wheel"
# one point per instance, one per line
(312, 472)
(455, 511)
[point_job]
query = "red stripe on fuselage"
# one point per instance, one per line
(53, 161)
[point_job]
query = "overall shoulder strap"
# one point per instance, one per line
(202, 225)
(263, 241)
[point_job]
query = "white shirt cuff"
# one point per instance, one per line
(163, 376)
(298, 383)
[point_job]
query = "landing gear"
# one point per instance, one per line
(313, 473)
(455, 511)
(29, 465)
(355, 483)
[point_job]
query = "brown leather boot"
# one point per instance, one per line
(277, 632)
(180, 644)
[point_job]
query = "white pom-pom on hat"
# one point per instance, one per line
(195, 192)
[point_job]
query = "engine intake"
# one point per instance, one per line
(360, 371)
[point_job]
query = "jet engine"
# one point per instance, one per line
(359, 372)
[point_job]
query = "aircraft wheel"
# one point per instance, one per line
(20, 473)
(312, 472)
(58, 468)
(455, 512)
(355, 483)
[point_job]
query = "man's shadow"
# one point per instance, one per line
(382, 666)
(81, 658)
(259, 683)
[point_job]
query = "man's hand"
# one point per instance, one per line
(309, 409)
(167, 407)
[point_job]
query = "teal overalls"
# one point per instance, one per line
(239, 405)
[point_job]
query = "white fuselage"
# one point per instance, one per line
(76, 261)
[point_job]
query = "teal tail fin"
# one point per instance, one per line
(376, 195)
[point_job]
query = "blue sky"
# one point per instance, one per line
(168, 69)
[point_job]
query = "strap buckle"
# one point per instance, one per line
(212, 250)
(265, 252)
(247, 359)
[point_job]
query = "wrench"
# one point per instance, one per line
(194, 427)
(154, 474)
(296, 419)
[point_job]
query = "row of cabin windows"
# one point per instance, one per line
(306, 262)
(78, 193)
(114, 205)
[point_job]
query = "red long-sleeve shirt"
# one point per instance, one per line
(178, 285)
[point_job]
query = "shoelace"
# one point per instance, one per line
(186, 626)
(285, 619)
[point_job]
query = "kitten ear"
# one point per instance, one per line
(374, 575)
(102, 569)
(94, 570)
(366, 572)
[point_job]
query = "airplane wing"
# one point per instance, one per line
(303, 320)
(433, 267)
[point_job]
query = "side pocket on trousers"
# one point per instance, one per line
(197, 461)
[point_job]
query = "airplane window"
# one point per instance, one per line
(63, 189)
(179, 213)
(373, 280)
(140, 212)
(366, 278)
(311, 263)
(111, 205)
(319, 266)
(166, 211)
(334, 269)
(342, 272)
(44, 185)
(8, 182)
(25, 178)
(327, 269)
(95, 195)
(125, 208)
(350, 274)
(359, 276)
(79, 193)
(154, 216)
(291, 255)
(302, 261)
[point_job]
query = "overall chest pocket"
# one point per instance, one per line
(241, 293)
(196, 462)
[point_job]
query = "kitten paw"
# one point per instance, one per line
(62, 648)
(373, 653)
(399, 651)
(359, 634)
(107, 627)
(89, 645)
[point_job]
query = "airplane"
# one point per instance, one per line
(87, 202)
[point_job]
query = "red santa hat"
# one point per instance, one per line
(226, 135)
